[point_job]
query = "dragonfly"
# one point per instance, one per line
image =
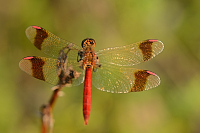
(109, 69)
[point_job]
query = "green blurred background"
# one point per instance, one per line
(173, 107)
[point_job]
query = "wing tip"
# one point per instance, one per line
(31, 29)
(159, 44)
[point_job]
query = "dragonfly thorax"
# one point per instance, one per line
(87, 55)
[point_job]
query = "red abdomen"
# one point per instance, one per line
(87, 94)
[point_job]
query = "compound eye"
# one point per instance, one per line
(84, 43)
(92, 42)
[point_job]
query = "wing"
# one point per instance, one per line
(45, 69)
(47, 42)
(131, 54)
(117, 79)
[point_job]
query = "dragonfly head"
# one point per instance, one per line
(88, 42)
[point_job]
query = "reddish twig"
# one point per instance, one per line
(46, 112)
(65, 74)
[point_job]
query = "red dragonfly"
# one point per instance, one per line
(109, 69)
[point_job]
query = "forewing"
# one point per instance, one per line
(124, 80)
(47, 42)
(131, 54)
(45, 69)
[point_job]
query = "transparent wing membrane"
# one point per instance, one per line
(117, 79)
(46, 72)
(131, 54)
(47, 42)
(45, 69)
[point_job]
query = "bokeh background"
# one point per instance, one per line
(173, 107)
